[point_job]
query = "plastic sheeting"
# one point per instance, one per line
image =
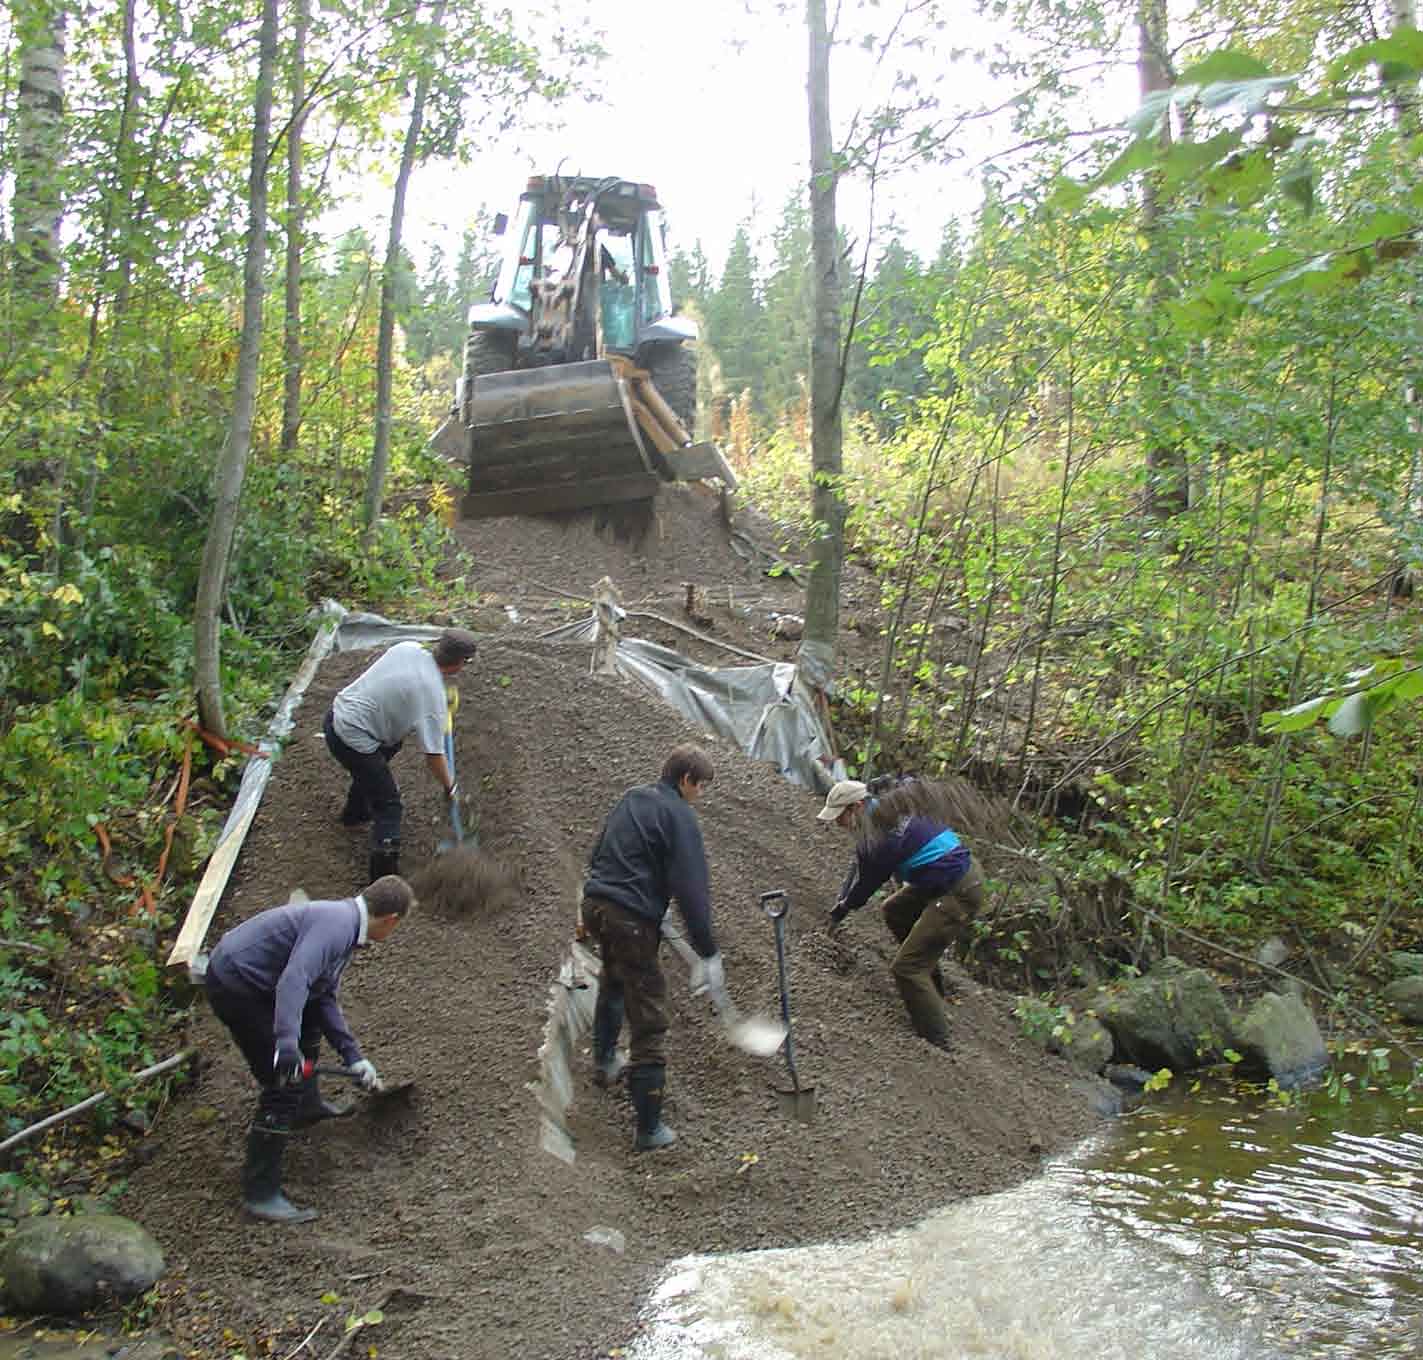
(187, 949)
(767, 710)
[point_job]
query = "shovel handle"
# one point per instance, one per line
(775, 904)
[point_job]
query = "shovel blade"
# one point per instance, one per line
(387, 1091)
(756, 1035)
(797, 1103)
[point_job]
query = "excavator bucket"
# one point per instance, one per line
(559, 437)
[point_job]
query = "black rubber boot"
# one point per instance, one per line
(262, 1178)
(314, 1108)
(385, 859)
(940, 1041)
(645, 1085)
(608, 1063)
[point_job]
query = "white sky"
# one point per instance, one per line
(707, 102)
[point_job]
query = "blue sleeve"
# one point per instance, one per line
(311, 974)
(873, 867)
(333, 1025)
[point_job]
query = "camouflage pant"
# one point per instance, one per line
(925, 926)
(628, 945)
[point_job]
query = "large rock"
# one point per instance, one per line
(1279, 1038)
(68, 1266)
(1084, 1041)
(1173, 1017)
(1406, 995)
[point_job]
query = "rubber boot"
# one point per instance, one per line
(314, 1108)
(608, 1063)
(262, 1177)
(936, 976)
(385, 859)
(645, 1085)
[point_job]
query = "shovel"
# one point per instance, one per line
(382, 1096)
(799, 1101)
(755, 1034)
(452, 702)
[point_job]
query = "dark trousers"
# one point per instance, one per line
(373, 793)
(628, 945)
(925, 926)
(249, 1019)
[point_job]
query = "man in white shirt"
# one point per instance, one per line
(400, 694)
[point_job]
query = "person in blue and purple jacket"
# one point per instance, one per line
(898, 835)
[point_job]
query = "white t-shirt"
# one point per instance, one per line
(401, 693)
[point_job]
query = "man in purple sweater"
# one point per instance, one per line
(898, 836)
(273, 982)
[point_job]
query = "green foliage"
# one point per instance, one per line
(1041, 1020)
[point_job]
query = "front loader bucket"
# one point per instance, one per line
(554, 438)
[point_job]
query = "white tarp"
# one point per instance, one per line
(767, 710)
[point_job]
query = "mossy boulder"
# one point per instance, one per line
(1173, 1017)
(70, 1266)
(1279, 1038)
(1406, 996)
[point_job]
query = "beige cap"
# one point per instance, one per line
(843, 795)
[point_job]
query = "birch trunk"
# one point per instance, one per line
(232, 465)
(816, 655)
(292, 358)
(385, 335)
(1168, 481)
(38, 203)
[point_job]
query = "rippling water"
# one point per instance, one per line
(1315, 1212)
(1209, 1227)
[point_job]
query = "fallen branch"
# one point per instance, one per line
(702, 637)
(356, 1322)
(97, 1098)
(25, 946)
(302, 1344)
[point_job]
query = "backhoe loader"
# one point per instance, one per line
(580, 384)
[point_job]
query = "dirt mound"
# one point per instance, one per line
(472, 1236)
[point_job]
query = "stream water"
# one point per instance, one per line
(1208, 1223)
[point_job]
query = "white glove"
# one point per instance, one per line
(708, 975)
(365, 1073)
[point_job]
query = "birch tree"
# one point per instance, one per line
(232, 465)
(39, 159)
(816, 655)
(385, 335)
(291, 321)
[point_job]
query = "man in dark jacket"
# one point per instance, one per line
(650, 851)
(899, 836)
(273, 981)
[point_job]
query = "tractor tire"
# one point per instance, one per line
(485, 352)
(673, 369)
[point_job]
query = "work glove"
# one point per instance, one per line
(365, 1073)
(708, 975)
(289, 1066)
